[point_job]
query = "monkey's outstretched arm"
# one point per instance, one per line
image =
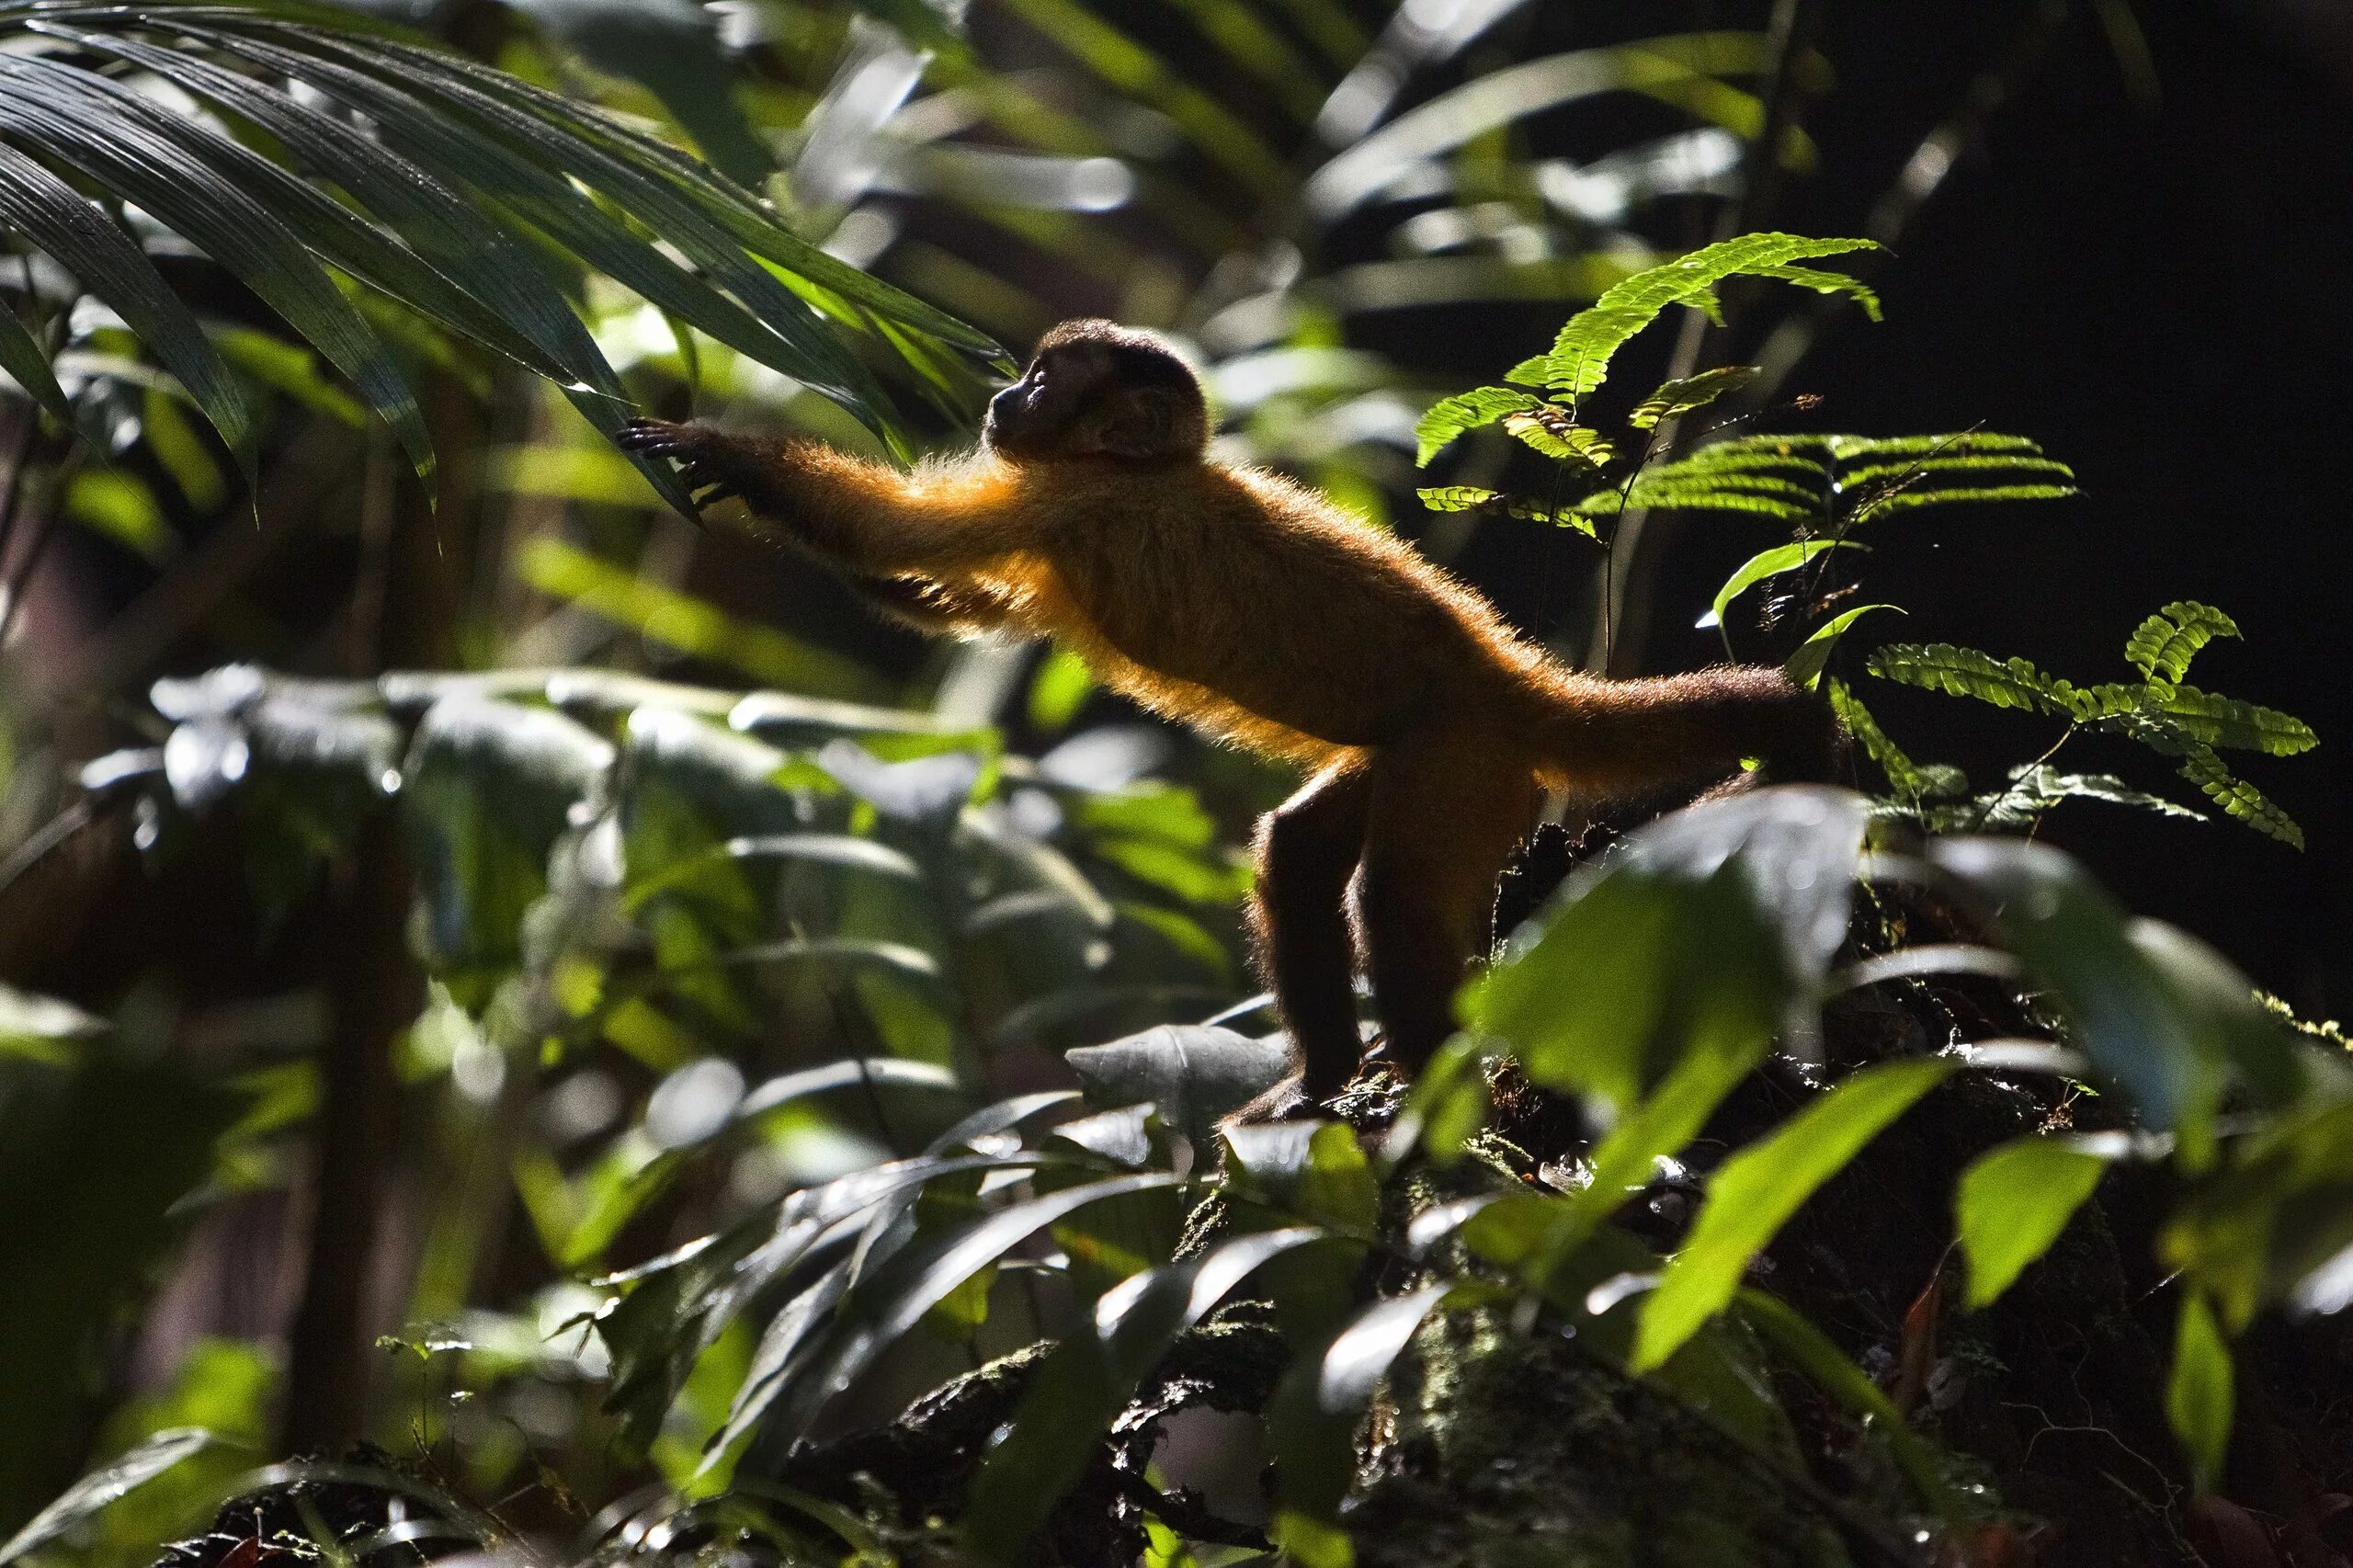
(871, 520)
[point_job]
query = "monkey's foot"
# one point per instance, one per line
(689, 445)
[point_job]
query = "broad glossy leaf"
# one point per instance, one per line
(1195, 1075)
(2123, 1009)
(1704, 934)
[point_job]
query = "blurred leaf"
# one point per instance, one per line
(491, 786)
(2278, 1209)
(1086, 1378)
(2015, 1200)
(671, 49)
(2198, 1392)
(42, 1028)
(2122, 1009)
(105, 1486)
(1755, 1191)
(1700, 937)
(687, 623)
(89, 1231)
(1194, 1074)
(119, 506)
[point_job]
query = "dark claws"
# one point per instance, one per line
(654, 438)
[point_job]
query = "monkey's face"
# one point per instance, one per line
(1099, 390)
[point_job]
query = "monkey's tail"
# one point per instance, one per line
(1614, 738)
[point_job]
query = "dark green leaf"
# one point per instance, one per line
(1753, 1193)
(56, 217)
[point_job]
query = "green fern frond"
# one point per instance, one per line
(1457, 497)
(1824, 282)
(1449, 417)
(1965, 672)
(2215, 721)
(1750, 497)
(1902, 774)
(1682, 395)
(1547, 430)
(1955, 443)
(1926, 468)
(1912, 500)
(2239, 799)
(2163, 645)
(2049, 785)
(1579, 360)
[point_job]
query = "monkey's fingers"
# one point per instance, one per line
(654, 438)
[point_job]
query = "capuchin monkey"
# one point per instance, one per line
(1259, 612)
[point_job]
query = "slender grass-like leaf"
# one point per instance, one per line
(508, 281)
(1772, 564)
(27, 362)
(134, 146)
(80, 238)
(1805, 665)
(1753, 1193)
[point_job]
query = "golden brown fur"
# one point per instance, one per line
(1252, 608)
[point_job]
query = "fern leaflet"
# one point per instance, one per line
(1579, 360)
(1683, 395)
(2164, 645)
(1449, 417)
(1965, 672)
(2239, 799)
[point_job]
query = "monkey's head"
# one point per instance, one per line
(1097, 389)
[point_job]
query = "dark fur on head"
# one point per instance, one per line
(1096, 389)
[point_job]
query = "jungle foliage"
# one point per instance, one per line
(810, 1099)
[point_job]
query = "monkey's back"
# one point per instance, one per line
(1244, 603)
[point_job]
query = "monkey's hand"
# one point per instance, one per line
(710, 461)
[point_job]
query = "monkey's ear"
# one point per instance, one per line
(1150, 424)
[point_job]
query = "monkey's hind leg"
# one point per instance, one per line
(1307, 851)
(1446, 810)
